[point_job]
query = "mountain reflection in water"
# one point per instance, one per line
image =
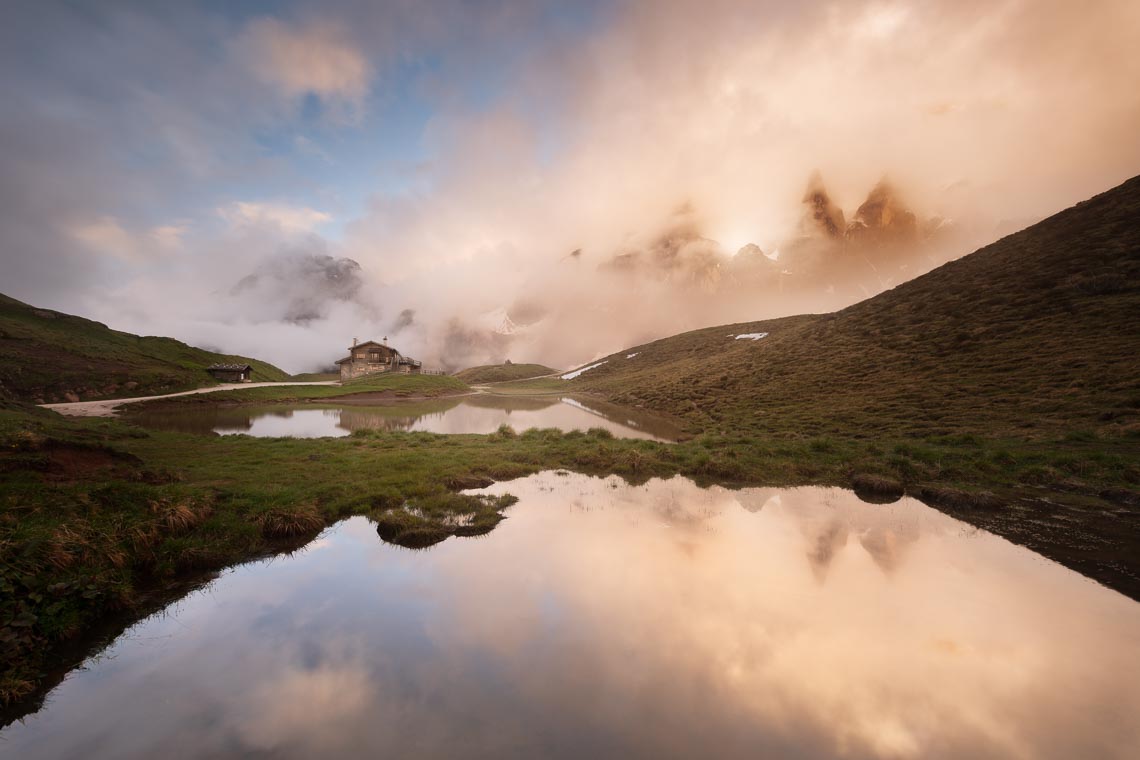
(603, 619)
(468, 414)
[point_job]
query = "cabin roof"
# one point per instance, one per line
(403, 360)
(371, 343)
(230, 367)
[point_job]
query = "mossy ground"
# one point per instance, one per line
(94, 512)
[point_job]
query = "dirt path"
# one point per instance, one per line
(109, 407)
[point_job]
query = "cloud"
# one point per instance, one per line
(645, 119)
(307, 707)
(290, 219)
(465, 153)
(107, 236)
(313, 59)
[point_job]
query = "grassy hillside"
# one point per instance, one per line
(501, 373)
(1034, 337)
(46, 355)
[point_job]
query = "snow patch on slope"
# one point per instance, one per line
(751, 336)
(575, 373)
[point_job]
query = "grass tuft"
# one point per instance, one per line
(290, 522)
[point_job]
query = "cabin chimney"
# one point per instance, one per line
(385, 340)
(354, 342)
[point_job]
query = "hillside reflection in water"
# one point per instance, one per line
(603, 619)
(468, 414)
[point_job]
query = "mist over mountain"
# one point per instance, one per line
(583, 304)
(300, 287)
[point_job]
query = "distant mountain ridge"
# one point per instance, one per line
(48, 356)
(302, 286)
(829, 259)
(1036, 334)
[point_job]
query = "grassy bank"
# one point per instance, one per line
(539, 386)
(93, 513)
(499, 373)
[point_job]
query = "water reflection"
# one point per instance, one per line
(470, 414)
(602, 619)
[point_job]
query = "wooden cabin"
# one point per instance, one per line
(370, 357)
(231, 373)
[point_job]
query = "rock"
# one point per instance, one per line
(883, 218)
(751, 267)
(822, 216)
(71, 396)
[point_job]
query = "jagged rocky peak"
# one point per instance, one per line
(750, 263)
(750, 255)
(883, 217)
(822, 216)
(681, 230)
(300, 286)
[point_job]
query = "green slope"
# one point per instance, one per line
(1034, 336)
(46, 355)
(501, 373)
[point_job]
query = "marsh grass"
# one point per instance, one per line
(78, 544)
(290, 522)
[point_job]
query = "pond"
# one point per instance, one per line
(482, 414)
(608, 620)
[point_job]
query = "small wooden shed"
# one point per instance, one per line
(231, 373)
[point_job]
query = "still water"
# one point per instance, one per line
(468, 414)
(608, 620)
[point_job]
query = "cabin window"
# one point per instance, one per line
(374, 356)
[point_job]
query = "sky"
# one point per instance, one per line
(183, 168)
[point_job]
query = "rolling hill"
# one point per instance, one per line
(501, 373)
(48, 356)
(1034, 336)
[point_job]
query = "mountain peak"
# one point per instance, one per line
(821, 215)
(883, 217)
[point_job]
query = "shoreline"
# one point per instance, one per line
(110, 407)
